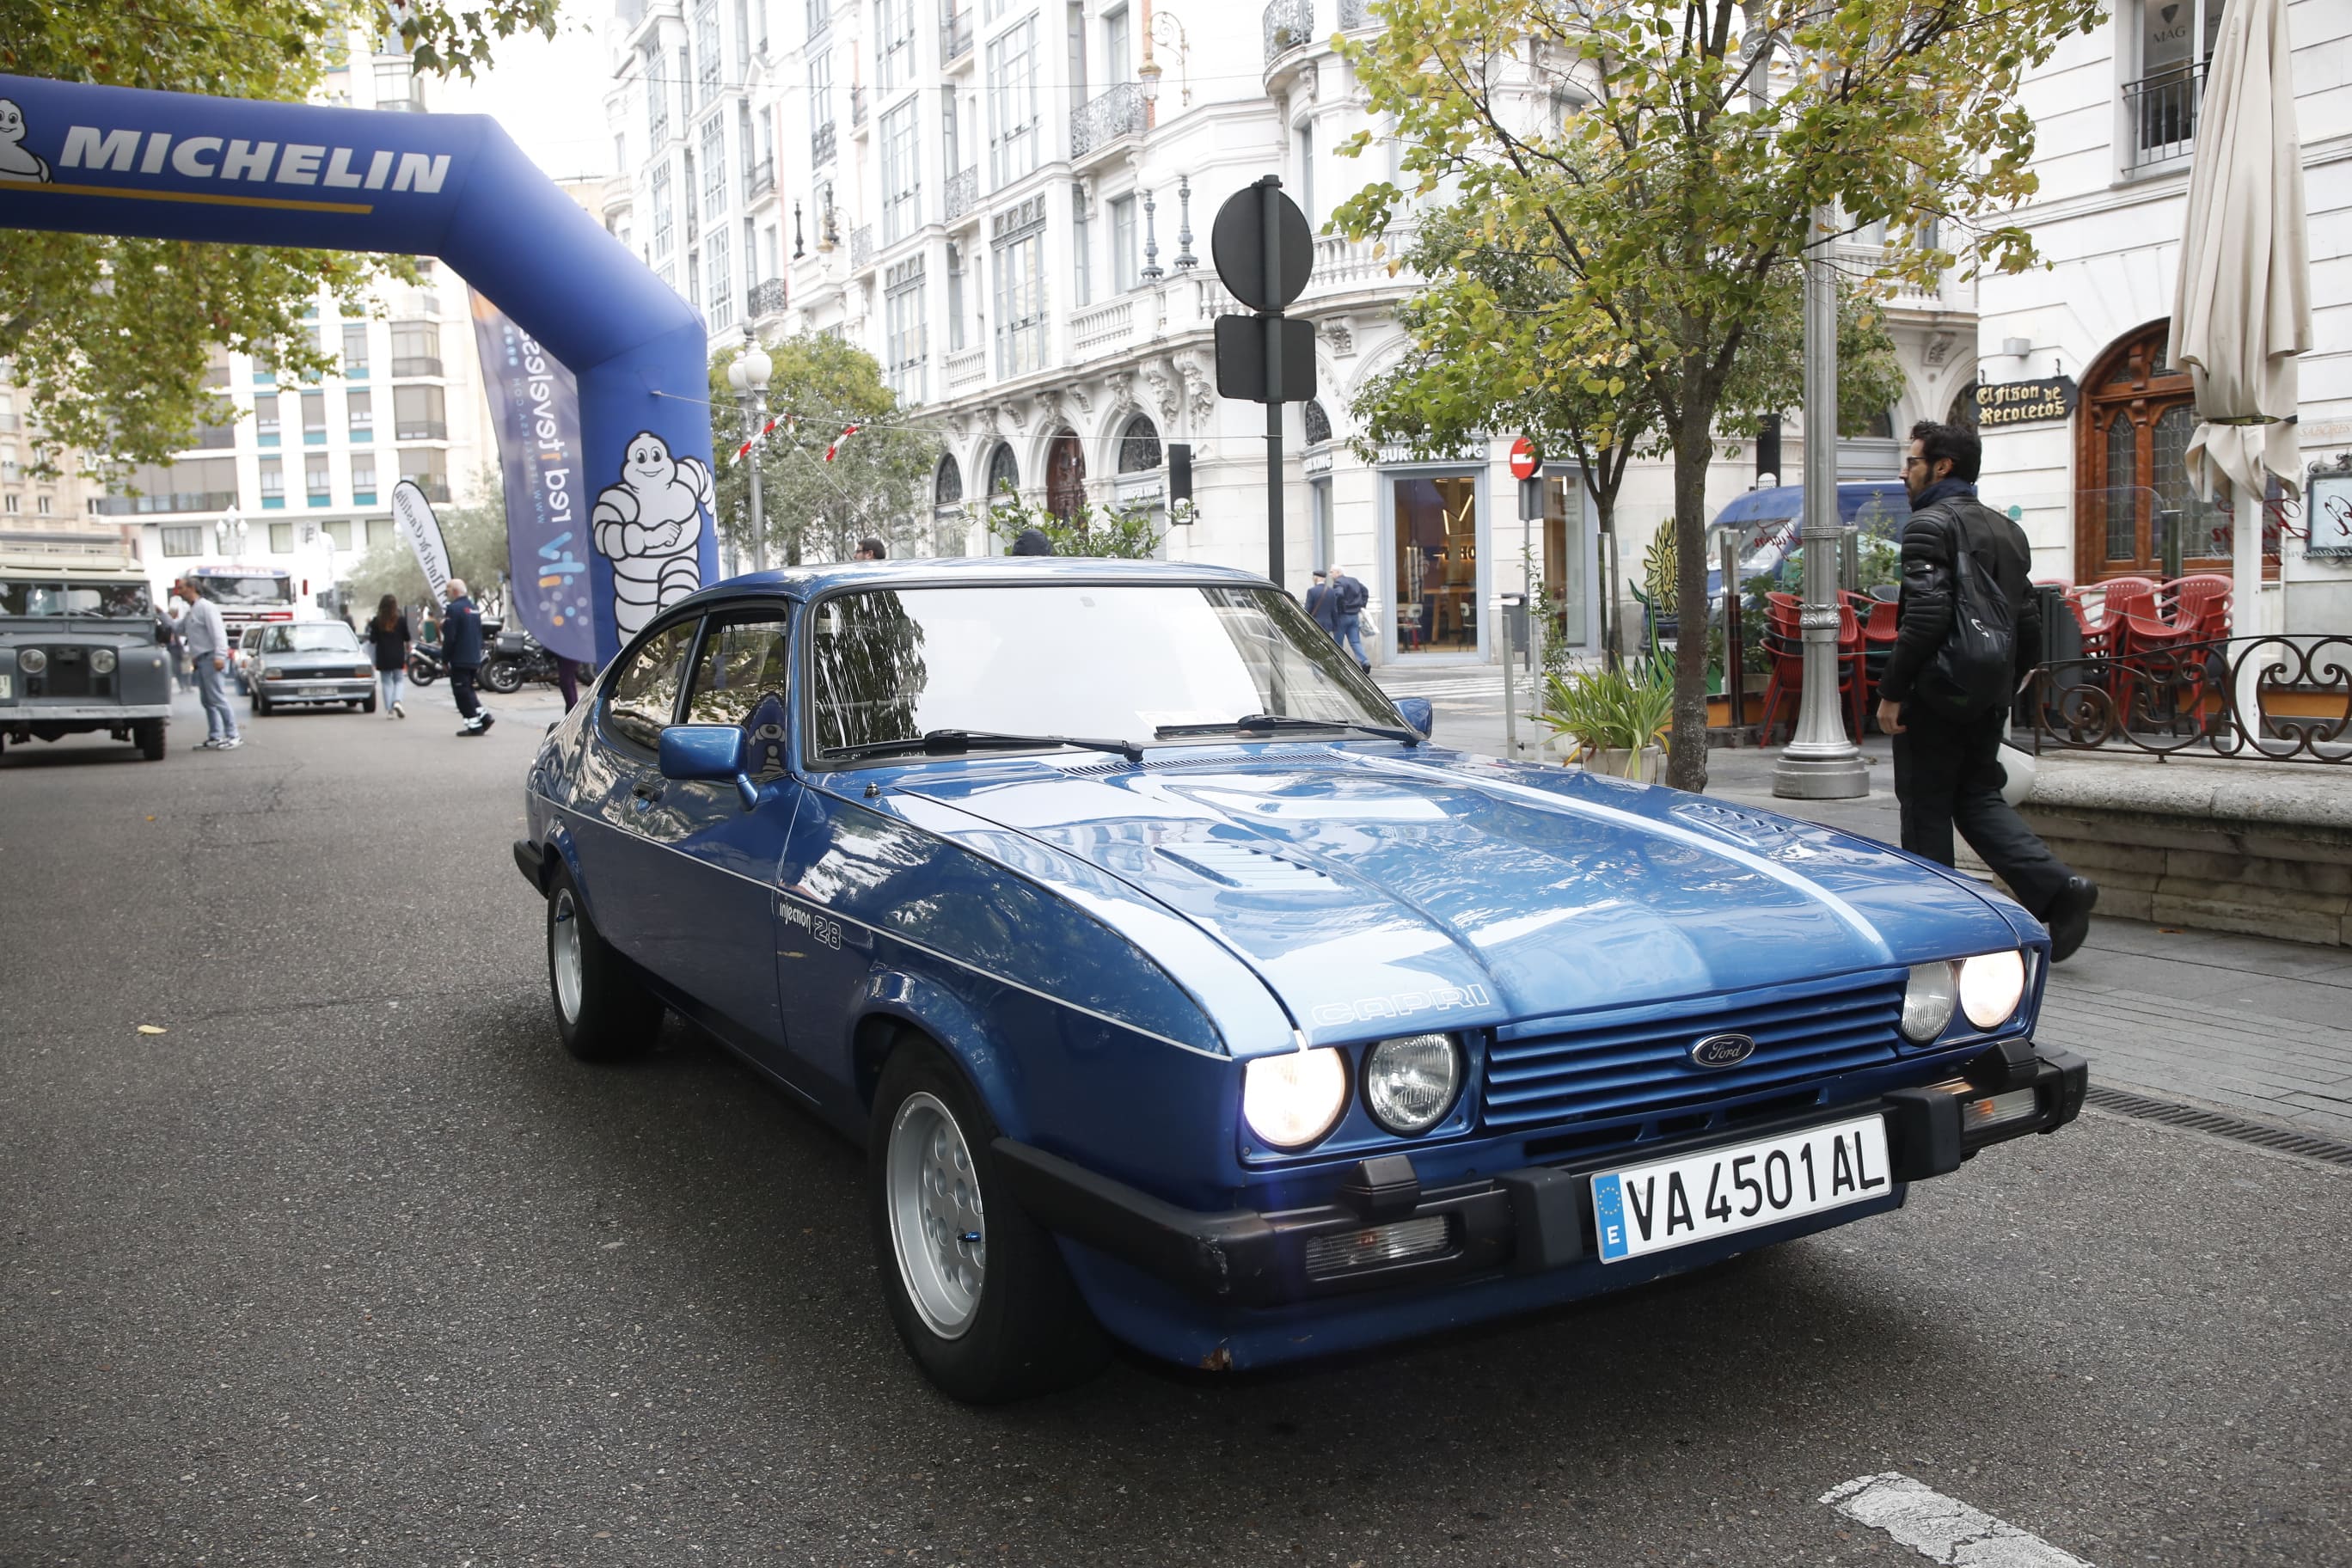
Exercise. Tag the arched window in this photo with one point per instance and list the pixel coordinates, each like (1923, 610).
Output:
(1318, 424)
(2137, 413)
(946, 485)
(1139, 445)
(1004, 473)
(1882, 425)
(1963, 411)
(1066, 477)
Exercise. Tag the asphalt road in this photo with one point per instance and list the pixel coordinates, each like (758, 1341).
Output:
(352, 1263)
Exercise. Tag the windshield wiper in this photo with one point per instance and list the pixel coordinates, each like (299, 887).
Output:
(951, 743)
(1272, 722)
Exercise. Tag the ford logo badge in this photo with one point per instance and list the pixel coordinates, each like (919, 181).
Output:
(1722, 1051)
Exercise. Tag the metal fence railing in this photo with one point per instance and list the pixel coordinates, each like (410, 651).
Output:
(2277, 699)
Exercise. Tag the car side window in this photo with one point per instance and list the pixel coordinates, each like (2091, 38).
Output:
(644, 693)
(742, 662)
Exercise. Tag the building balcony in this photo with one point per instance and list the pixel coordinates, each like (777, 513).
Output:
(758, 179)
(966, 368)
(418, 365)
(424, 430)
(2162, 112)
(166, 501)
(1344, 266)
(1289, 24)
(963, 192)
(765, 298)
(1102, 329)
(821, 145)
(955, 37)
(1106, 119)
(857, 107)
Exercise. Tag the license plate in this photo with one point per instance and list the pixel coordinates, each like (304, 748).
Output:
(1721, 1192)
(7, 687)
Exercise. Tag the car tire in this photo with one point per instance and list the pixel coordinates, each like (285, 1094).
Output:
(502, 677)
(988, 1322)
(602, 1011)
(366, 705)
(260, 706)
(149, 733)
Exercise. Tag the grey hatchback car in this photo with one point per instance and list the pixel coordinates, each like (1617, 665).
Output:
(308, 662)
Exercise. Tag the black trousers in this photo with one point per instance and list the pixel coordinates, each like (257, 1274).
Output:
(1947, 776)
(461, 687)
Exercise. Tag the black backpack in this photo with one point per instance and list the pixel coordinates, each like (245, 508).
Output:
(1975, 670)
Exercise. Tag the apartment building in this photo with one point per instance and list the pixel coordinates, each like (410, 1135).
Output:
(298, 475)
(2095, 461)
(1008, 202)
(39, 510)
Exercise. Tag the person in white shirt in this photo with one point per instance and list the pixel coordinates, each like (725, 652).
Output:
(207, 642)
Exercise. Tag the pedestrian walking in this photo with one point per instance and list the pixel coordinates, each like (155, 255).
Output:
(1345, 607)
(567, 681)
(387, 632)
(871, 549)
(206, 639)
(461, 647)
(1317, 596)
(1970, 631)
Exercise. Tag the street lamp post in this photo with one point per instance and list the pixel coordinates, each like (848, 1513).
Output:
(748, 376)
(230, 532)
(1820, 761)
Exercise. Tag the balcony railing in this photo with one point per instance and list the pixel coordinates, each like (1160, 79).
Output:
(1103, 326)
(765, 298)
(166, 501)
(1105, 118)
(2163, 114)
(856, 105)
(963, 192)
(1290, 24)
(955, 37)
(418, 364)
(422, 430)
(861, 246)
(1355, 14)
(963, 369)
(760, 179)
(821, 144)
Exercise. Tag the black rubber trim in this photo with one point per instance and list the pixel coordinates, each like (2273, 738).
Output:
(532, 861)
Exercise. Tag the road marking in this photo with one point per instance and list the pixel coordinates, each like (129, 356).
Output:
(1941, 1529)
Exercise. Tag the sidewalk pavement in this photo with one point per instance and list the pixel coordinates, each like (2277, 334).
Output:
(2242, 1024)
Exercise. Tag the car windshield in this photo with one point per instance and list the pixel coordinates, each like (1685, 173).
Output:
(244, 591)
(124, 601)
(310, 636)
(1115, 661)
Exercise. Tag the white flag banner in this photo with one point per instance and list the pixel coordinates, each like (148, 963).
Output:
(412, 515)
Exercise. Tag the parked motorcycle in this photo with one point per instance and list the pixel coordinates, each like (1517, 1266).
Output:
(425, 663)
(515, 658)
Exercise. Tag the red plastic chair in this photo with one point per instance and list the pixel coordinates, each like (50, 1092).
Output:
(2201, 604)
(1784, 644)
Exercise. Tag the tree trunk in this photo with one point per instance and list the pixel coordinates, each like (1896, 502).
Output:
(1694, 450)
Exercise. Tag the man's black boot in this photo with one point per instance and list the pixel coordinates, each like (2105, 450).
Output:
(2069, 917)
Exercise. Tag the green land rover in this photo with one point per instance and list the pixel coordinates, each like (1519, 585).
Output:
(79, 651)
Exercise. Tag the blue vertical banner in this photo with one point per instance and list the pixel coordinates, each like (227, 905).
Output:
(535, 403)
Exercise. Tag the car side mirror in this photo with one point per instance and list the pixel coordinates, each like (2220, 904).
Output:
(708, 752)
(1418, 713)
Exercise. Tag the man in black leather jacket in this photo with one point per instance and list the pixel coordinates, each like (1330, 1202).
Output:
(1948, 770)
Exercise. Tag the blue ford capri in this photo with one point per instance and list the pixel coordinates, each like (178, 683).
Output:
(1183, 990)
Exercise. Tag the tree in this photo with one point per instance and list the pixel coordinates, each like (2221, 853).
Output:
(112, 336)
(1652, 157)
(877, 482)
(476, 538)
(1101, 533)
(1478, 329)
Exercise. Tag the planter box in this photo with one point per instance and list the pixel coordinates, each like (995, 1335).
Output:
(1620, 764)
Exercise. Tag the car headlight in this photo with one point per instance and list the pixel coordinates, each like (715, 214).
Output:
(1928, 998)
(273, 675)
(361, 672)
(101, 662)
(1293, 1098)
(1991, 986)
(1410, 1082)
(32, 661)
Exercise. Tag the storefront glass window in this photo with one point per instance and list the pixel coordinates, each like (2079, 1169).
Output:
(1436, 565)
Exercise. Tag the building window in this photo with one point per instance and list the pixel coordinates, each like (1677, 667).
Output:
(955, 298)
(1307, 171)
(656, 100)
(419, 414)
(2132, 436)
(416, 348)
(1082, 265)
(314, 419)
(427, 467)
(179, 541)
(273, 483)
(718, 271)
(1123, 264)
(266, 418)
(1116, 50)
(820, 72)
(2176, 45)
(951, 134)
(1139, 445)
(1012, 129)
(363, 484)
(661, 207)
(380, 530)
(1003, 472)
(902, 195)
(1317, 423)
(317, 487)
(339, 531)
(894, 43)
(1021, 305)
(281, 539)
(361, 406)
(947, 483)
(41, 505)
(714, 167)
(909, 336)
(706, 45)
(355, 350)
(191, 484)
(820, 16)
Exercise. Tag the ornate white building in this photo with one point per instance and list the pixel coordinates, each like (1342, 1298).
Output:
(1009, 205)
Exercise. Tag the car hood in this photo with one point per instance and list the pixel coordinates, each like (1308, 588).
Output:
(1442, 888)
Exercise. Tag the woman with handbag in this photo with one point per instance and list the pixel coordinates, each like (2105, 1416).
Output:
(387, 631)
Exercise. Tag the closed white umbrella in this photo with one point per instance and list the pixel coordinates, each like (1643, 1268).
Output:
(2243, 311)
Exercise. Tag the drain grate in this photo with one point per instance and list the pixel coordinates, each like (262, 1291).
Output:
(2221, 1124)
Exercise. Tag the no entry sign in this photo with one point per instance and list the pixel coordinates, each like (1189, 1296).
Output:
(1525, 459)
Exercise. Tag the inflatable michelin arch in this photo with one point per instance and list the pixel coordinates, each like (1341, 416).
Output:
(108, 160)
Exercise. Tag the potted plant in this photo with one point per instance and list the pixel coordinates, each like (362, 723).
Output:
(1614, 719)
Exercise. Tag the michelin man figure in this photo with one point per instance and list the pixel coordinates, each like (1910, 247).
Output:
(650, 525)
(17, 161)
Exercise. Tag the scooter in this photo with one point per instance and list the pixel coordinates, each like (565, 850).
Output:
(425, 663)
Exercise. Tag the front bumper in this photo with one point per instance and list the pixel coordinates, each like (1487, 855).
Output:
(1527, 1220)
(81, 712)
(296, 689)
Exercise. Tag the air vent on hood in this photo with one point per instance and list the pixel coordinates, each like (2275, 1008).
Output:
(1244, 865)
(1748, 827)
(1224, 763)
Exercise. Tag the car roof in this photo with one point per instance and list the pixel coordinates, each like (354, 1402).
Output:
(1788, 501)
(971, 571)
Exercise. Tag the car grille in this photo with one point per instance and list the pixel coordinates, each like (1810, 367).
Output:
(68, 673)
(1636, 1063)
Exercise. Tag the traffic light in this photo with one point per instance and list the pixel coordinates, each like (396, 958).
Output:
(1179, 470)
